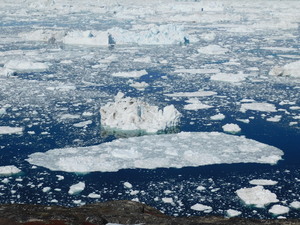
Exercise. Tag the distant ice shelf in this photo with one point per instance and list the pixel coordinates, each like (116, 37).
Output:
(158, 151)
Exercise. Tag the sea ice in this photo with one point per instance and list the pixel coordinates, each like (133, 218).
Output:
(10, 130)
(218, 116)
(262, 182)
(295, 205)
(233, 213)
(213, 50)
(127, 185)
(195, 104)
(133, 114)
(9, 170)
(76, 188)
(291, 69)
(279, 209)
(257, 196)
(131, 74)
(234, 78)
(158, 151)
(258, 106)
(94, 195)
(168, 200)
(26, 66)
(231, 128)
(199, 93)
(201, 207)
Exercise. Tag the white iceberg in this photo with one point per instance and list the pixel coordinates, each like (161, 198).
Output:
(231, 128)
(133, 114)
(26, 66)
(201, 207)
(258, 106)
(279, 209)
(76, 188)
(291, 69)
(9, 170)
(295, 205)
(257, 196)
(158, 151)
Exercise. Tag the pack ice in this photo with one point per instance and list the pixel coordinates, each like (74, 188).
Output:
(291, 69)
(133, 114)
(158, 151)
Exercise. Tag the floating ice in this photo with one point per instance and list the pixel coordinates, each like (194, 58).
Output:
(295, 205)
(257, 196)
(133, 114)
(76, 188)
(195, 104)
(262, 182)
(201, 207)
(168, 200)
(94, 195)
(197, 71)
(26, 66)
(258, 106)
(158, 151)
(127, 185)
(279, 209)
(291, 69)
(10, 130)
(9, 170)
(132, 74)
(233, 213)
(139, 85)
(231, 128)
(213, 50)
(234, 78)
(92, 38)
(218, 116)
(199, 93)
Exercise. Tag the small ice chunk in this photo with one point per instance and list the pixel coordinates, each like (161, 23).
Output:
(276, 118)
(257, 196)
(233, 78)
(132, 74)
(258, 106)
(201, 188)
(46, 189)
(9, 170)
(127, 185)
(231, 128)
(199, 93)
(262, 182)
(83, 124)
(233, 213)
(168, 200)
(218, 116)
(139, 85)
(213, 50)
(94, 195)
(133, 114)
(76, 188)
(279, 209)
(201, 207)
(10, 130)
(295, 205)
(60, 177)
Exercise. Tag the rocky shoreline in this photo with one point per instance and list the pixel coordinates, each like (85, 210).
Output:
(113, 212)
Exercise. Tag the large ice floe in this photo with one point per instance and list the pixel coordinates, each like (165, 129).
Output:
(158, 151)
(127, 113)
(150, 34)
(26, 66)
(291, 69)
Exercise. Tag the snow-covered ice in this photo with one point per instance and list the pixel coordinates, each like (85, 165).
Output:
(133, 114)
(231, 128)
(201, 207)
(262, 182)
(154, 151)
(9, 170)
(279, 209)
(257, 196)
(10, 130)
(76, 188)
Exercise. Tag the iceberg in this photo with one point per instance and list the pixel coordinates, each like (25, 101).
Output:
(158, 151)
(291, 69)
(133, 114)
(9, 170)
(257, 196)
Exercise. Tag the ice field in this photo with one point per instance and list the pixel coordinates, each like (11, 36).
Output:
(192, 107)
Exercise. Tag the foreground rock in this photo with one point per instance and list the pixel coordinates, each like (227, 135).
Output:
(117, 212)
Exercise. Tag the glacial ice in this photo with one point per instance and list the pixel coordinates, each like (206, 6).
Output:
(158, 151)
(133, 114)
(279, 209)
(290, 69)
(76, 188)
(257, 196)
(8, 170)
